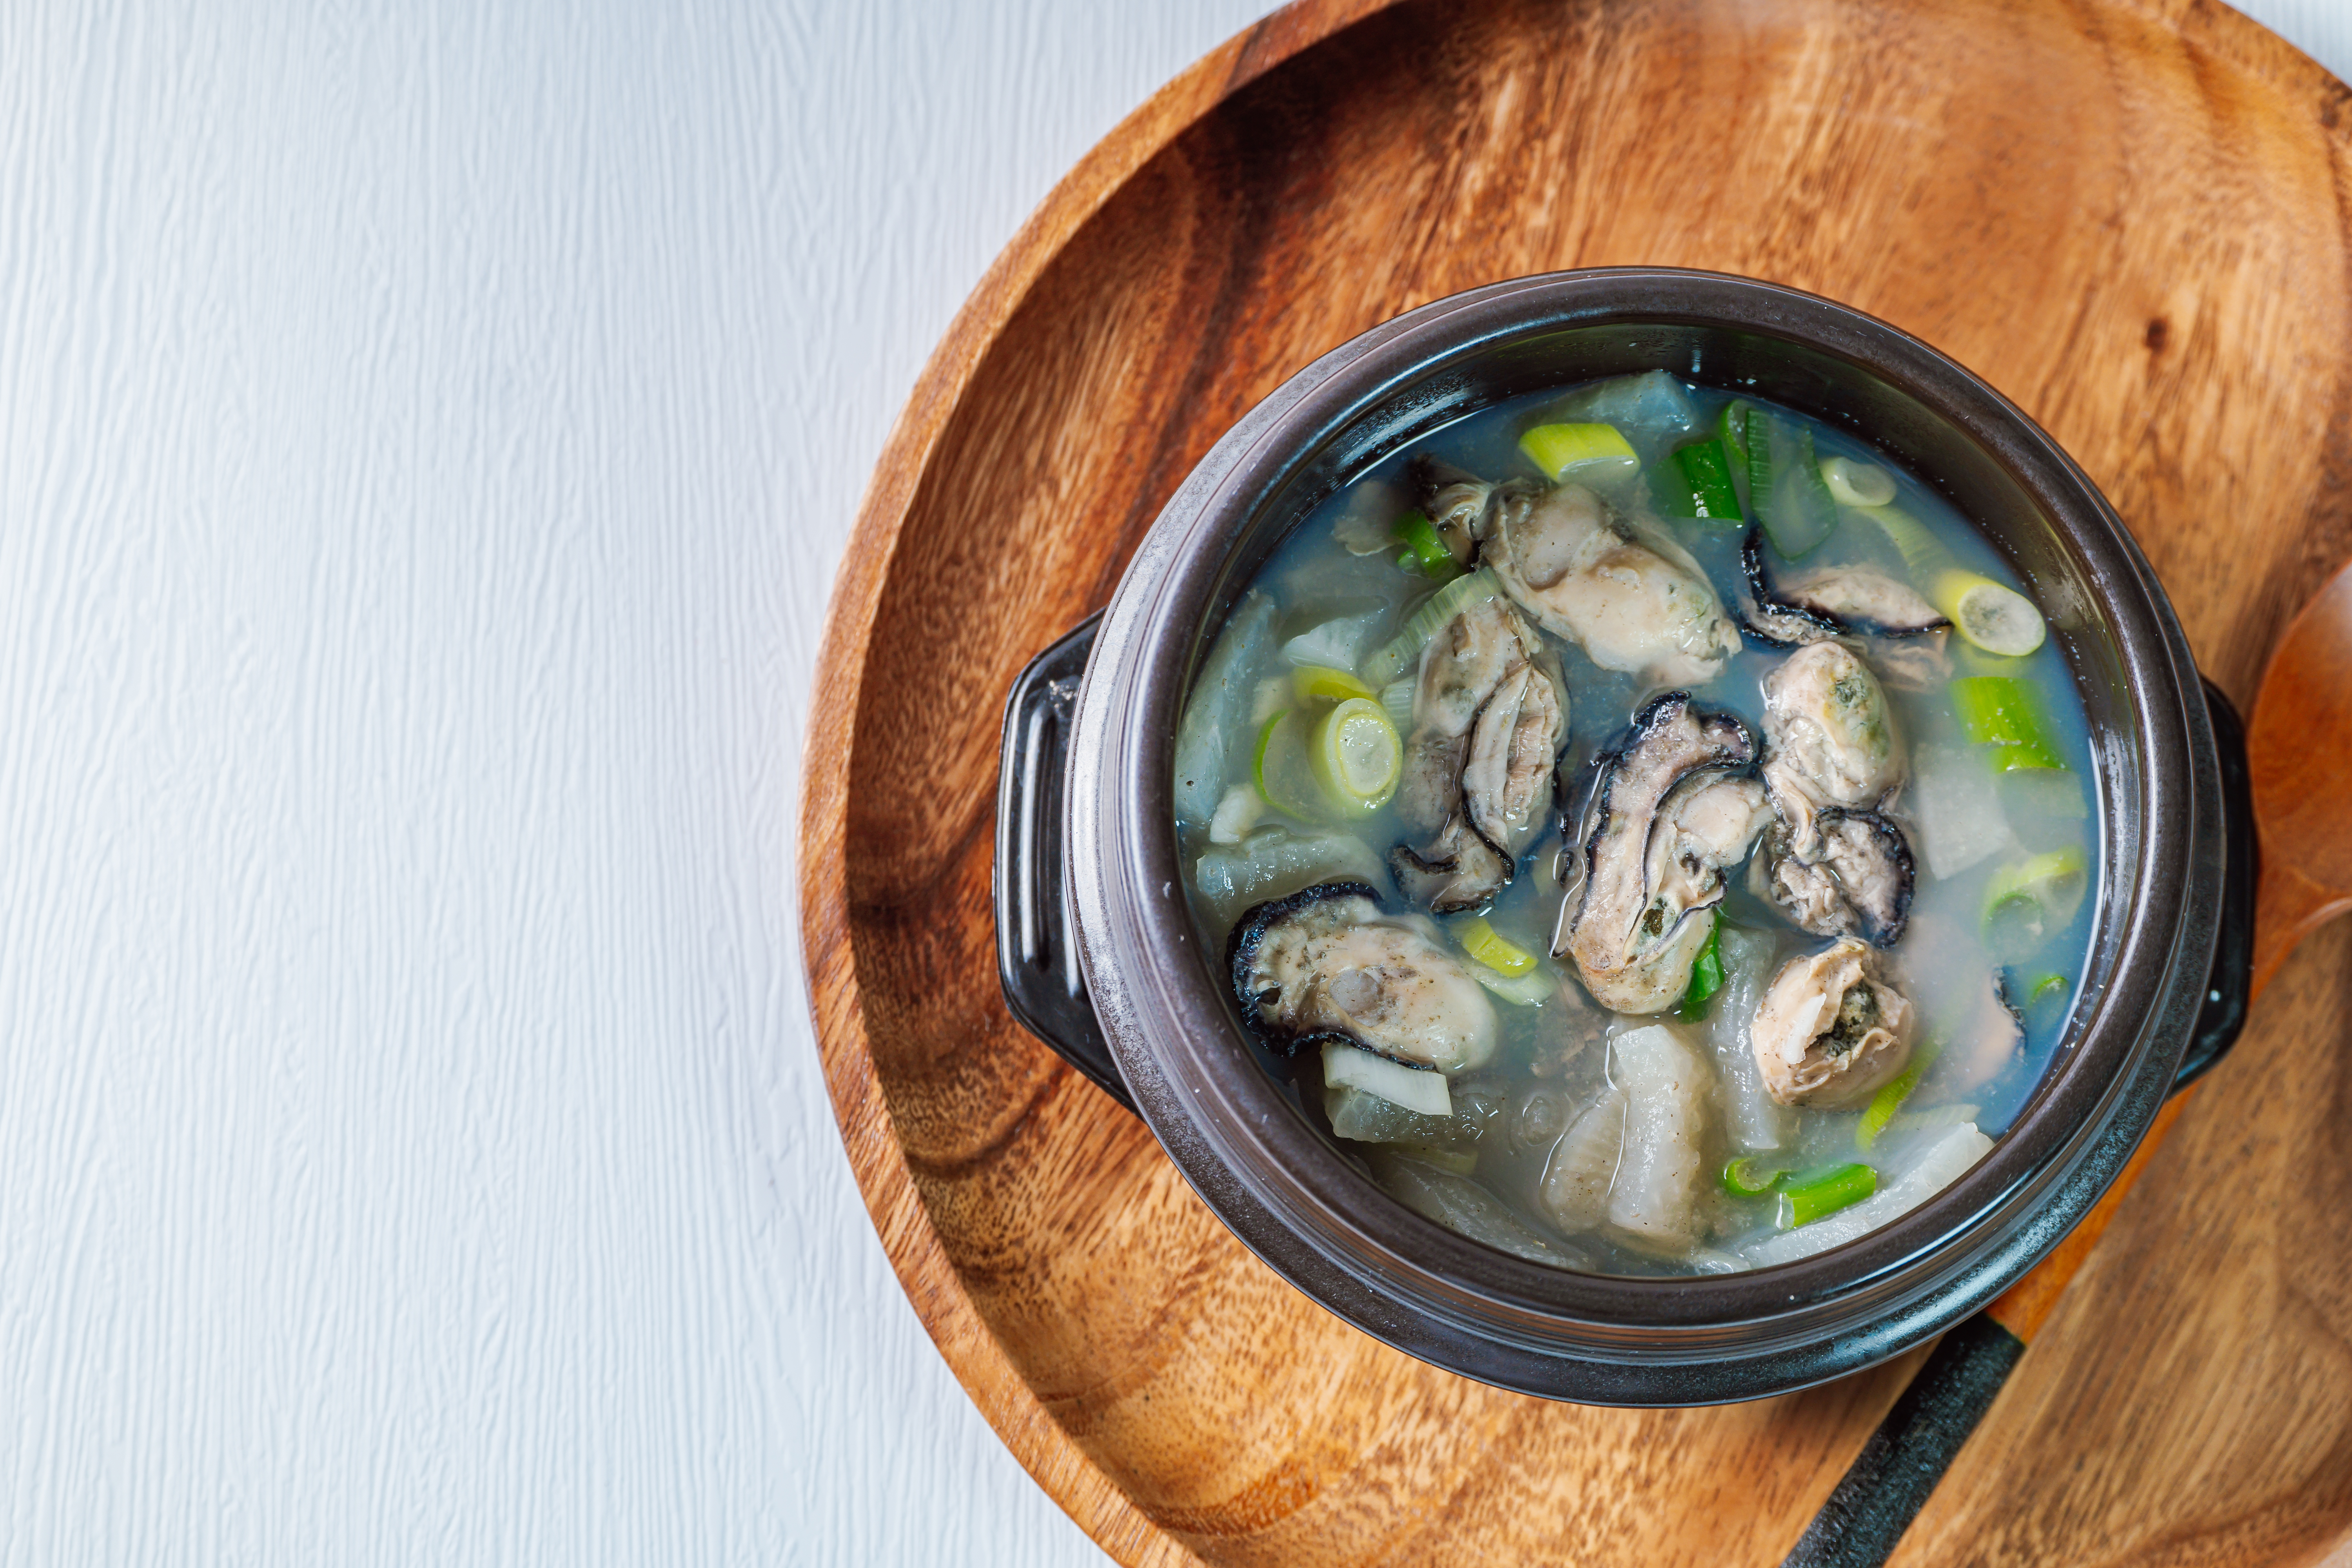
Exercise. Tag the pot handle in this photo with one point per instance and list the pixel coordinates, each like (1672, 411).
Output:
(2229, 984)
(1037, 945)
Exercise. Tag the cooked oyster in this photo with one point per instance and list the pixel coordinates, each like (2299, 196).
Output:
(1832, 600)
(1488, 721)
(1329, 964)
(1667, 820)
(1456, 504)
(1828, 740)
(1829, 1031)
(1855, 880)
(1632, 598)
(1915, 664)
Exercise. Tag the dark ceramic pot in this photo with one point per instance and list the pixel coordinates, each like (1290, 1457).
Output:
(1100, 957)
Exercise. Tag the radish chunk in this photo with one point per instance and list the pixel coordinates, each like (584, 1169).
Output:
(1754, 1120)
(1660, 1170)
(1584, 1163)
(1464, 1208)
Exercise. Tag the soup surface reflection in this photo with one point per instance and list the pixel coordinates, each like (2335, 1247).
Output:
(1651, 831)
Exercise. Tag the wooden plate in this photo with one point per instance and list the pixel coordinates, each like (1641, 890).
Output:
(2128, 216)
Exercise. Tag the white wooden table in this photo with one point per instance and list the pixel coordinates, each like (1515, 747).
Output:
(430, 430)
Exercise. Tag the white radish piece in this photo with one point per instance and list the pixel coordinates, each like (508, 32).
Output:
(1583, 1163)
(1464, 1208)
(1958, 811)
(1655, 1196)
(1275, 861)
(1216, 722)
(1754, 1120)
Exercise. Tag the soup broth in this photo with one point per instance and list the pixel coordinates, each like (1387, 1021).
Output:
(1651, 830)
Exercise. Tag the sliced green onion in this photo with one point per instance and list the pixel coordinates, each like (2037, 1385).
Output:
(2030, 899)
(1321, 683)
(1750, 1176)
(2048, 985)
(1356, 758)
(1922, 552)
(2004, 712)
(1403, 651)
(1587, 452)
(1280, 768)
(1706, 972)
(1890, 1098)
(1732, 429)
(1496, 950)
(1817, 1194)
(1997, 619)
(1396, 700)
(1857, 484)
(1418, 537)
(1784, 484)
(1532, 989)
(1705, 489)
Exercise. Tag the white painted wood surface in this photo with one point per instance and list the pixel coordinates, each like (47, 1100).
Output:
(430, 430)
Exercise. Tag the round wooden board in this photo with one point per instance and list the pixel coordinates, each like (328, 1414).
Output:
(2128, 216)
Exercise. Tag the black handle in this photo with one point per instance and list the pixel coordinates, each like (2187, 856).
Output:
(1036, 946)
(2228, 986)
(1890, 1480)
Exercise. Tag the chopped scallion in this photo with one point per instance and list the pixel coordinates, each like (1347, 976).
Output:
(1430, 556)
(1733, 430)
(1706, 972)
(1583, 452)
(1816, 1194)
(1995, 618)
(1496, 950)
(1703, 485)
(1750, 1176)
(2031, 899)
(1784, 484)
(1403, 652)
(1355, 756)
(2004, 712)
(1321, 683)
(1857, 484)
(1890, 1098)
(1280, 769)
(1532, 989)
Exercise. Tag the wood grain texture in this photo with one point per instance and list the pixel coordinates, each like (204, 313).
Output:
(2127, 217)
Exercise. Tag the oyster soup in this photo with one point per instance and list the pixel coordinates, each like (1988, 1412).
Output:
(1652, 832)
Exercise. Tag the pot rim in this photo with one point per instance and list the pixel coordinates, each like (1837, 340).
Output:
(1295, 1200)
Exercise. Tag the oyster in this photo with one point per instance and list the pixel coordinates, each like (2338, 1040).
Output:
(1828, 739)
(1329, 964)
(1832, 600)
(1671, 811)
(1834, 864)
(1829, 1031)
(1856, 880)
(1456, 504)
(1632, 598)
(1488, 721)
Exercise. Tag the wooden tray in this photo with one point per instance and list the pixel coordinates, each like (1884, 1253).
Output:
(2129, 216)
